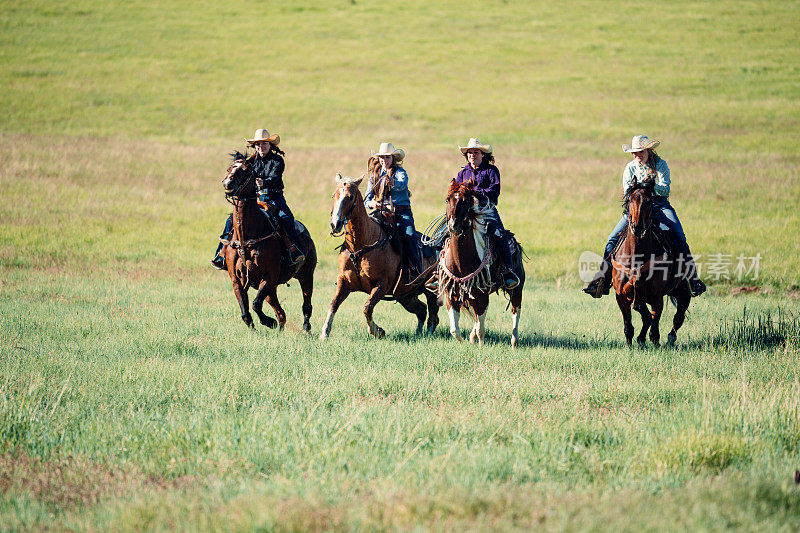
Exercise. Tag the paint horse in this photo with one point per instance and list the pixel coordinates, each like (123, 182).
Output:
(467, 271)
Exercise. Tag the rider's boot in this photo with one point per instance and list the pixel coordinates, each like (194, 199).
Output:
(601, 283)
(218, 261)
(506, 249)
(432, 284)
(414, 261)
(696, 285)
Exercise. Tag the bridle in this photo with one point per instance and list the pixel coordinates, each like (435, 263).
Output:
(345, 217)
(233, 198)
(455, 209)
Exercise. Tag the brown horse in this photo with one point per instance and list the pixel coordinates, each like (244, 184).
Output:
(467, 271)
(256, 255)
(368, 263)
(642, 273)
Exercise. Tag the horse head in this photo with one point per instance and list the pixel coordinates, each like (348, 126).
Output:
(239, 180)
(345, 198)
(459, 202)
(638, 203)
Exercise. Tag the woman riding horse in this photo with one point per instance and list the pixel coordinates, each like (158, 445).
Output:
(486, 179)
(267, 165)
(399, 201)
(647, 167)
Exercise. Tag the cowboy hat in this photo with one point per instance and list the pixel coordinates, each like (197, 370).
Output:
(389, 149)
(476, 143)
(263, 135)
(639, 143)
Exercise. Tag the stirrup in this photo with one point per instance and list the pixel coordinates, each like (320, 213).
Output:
(218, 262)
(432, 284)
(510, 280)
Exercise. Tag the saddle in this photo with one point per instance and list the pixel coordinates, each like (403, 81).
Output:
(274, 225)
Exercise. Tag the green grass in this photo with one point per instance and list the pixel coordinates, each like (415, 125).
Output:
(132, 396)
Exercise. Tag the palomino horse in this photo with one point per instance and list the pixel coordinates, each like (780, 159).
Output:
(367, 263)
(254, 253)
(643, 274)
(467, 271)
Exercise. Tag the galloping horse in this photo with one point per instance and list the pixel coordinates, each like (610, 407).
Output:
(641, 277)
(368, 263)
(256, 256)
(467, 271)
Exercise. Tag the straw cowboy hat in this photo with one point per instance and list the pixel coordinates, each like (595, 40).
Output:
(263, 135)
(476, 143)
(389, 149)
(639, 143)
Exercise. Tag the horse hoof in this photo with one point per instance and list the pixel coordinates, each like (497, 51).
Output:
(323, 336)
(671, 340)
(514, 342)
(271, 323)
(380, 333)
(642, 344)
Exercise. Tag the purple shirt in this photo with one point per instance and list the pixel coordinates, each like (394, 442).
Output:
(486, 178)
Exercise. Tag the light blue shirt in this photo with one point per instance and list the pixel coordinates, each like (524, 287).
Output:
(399, 192)
(635, 170)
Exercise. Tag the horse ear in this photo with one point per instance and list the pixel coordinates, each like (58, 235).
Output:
(338, 178)
(359, 180)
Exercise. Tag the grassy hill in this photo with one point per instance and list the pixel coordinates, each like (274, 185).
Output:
(132, 397)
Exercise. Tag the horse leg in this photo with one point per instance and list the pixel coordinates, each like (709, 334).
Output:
(342, 292)
(454, 314)
(307, 287)
(375, 296)
(516, 307)
(433, 312)
(414, 306)
(258, 303)
(241, 297)
(306, 278)
(625, 308)
(657, 306)
(641, 339)
(683, 296)
(478, 329)
(515, 325)
(272, 300)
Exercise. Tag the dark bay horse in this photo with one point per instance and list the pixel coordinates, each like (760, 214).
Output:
(642, 273)
(368, 263)
(467, 271)
(256, 255)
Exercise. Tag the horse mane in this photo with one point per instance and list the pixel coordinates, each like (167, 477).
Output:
(647, 186)
(467, 187)
(238, 156)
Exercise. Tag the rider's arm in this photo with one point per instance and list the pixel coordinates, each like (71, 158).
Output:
(662, 179)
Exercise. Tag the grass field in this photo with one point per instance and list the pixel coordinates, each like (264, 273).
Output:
(132, 397)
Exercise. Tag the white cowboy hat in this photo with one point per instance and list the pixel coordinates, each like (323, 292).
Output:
(263, 135)
(389, 149)
(476, 143)
(639, 143)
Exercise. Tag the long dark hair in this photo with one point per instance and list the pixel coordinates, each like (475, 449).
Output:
(488, 158)
(652, 163)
